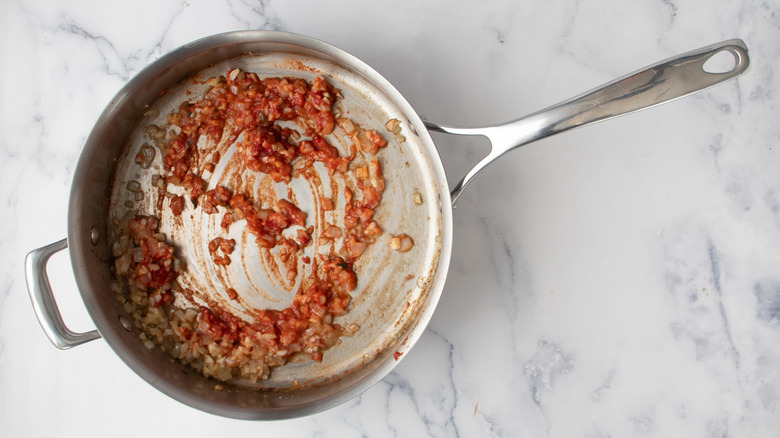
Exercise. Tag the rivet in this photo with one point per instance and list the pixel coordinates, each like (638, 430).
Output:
(94, 235)
(126, 323)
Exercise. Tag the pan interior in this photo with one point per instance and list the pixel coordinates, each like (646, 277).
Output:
(393, 287)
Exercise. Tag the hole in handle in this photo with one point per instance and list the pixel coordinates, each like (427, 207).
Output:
(724, 61)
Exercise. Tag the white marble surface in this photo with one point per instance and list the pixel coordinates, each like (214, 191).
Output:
(619, 280)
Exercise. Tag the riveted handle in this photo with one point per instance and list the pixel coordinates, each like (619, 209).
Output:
(653, 85)
(43, 301)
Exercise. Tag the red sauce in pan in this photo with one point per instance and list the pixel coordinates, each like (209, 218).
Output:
(239, 103)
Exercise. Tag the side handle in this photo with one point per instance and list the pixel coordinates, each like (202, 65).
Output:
(43, 300)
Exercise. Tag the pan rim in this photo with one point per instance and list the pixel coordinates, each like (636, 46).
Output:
(83, 252)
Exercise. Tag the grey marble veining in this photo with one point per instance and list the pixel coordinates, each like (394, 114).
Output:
(619, 280)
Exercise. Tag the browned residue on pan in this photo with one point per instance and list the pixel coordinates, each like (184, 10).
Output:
(383, 305)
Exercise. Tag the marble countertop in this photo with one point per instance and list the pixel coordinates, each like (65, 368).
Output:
(617, 280)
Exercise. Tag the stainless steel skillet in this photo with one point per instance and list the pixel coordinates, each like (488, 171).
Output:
(397, 293)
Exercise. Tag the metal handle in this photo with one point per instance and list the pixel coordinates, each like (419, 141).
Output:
(653, 85)
(43, 300)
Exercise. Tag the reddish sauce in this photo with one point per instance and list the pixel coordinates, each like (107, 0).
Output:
(298, 328)
(243, 103)
(152, 264)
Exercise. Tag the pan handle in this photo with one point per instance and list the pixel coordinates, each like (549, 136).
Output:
(653, 85)
(43, 300)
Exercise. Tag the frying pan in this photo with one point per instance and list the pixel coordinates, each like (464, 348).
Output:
(397, 292)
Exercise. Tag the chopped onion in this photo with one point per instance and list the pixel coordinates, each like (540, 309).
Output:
(145, 156)
(134, 186)
(394, 126)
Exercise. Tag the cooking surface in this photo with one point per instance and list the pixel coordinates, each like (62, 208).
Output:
(393, 286)
(618, 280)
